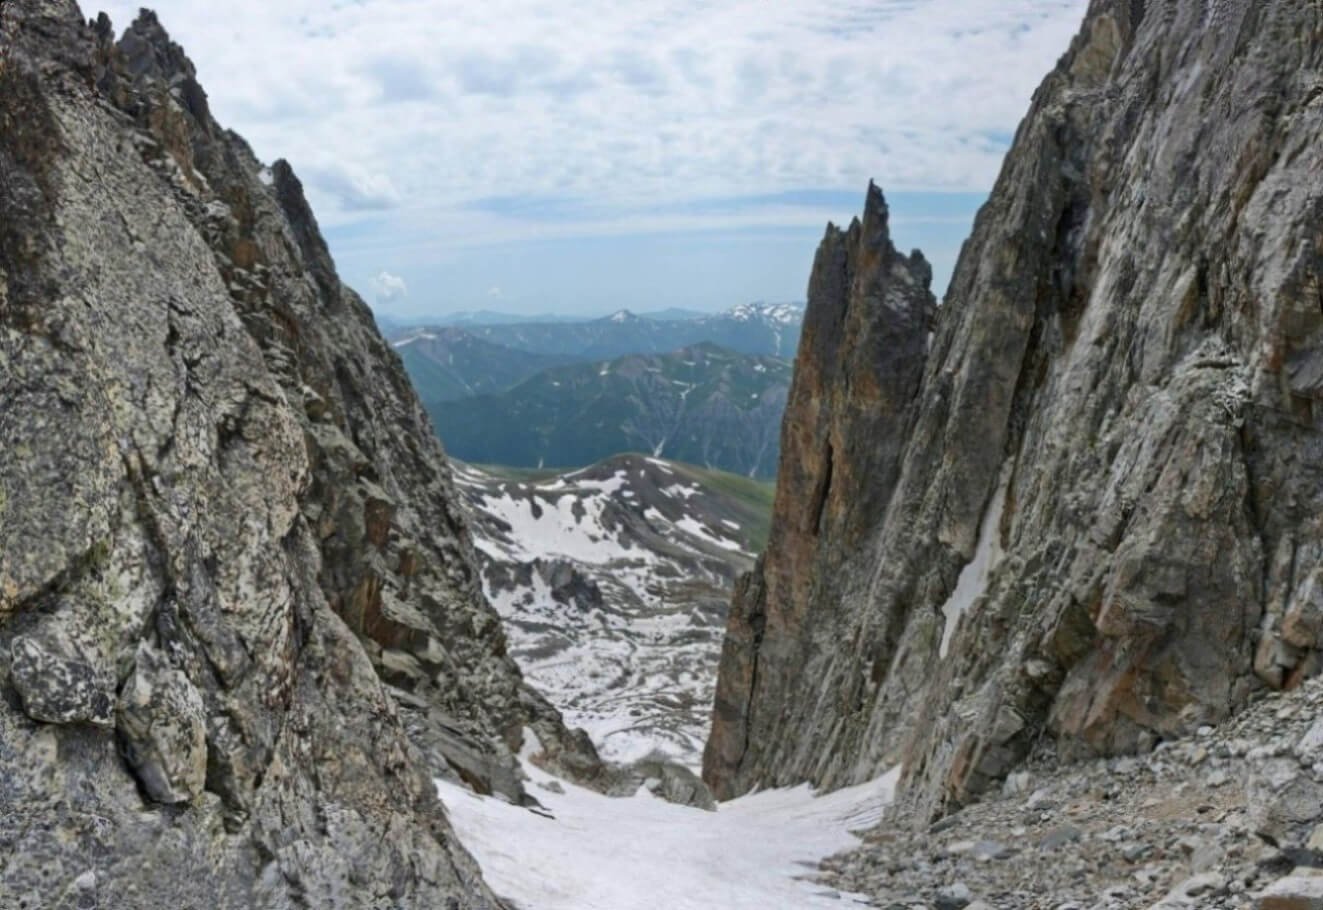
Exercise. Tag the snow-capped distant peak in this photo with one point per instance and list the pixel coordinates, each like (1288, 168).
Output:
(417, 336)
(779, 313)
(622, 316)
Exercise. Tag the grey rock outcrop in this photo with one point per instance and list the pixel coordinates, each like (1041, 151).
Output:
(859, 366)
(1117, 428)
(162, 725)
(240, 624)
(665, 780)
(58, 687)
(1281, 798)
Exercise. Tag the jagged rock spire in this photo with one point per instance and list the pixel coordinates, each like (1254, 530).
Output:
(860, 361)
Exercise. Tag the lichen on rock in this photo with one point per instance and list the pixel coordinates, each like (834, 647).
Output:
(57, 686)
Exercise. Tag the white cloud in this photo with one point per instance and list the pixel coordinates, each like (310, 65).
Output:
(389, 288)
(351, 189)
(494, 292)
(647, 99)
(404, 115)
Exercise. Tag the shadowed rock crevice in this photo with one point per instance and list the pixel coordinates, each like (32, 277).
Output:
(819, 507)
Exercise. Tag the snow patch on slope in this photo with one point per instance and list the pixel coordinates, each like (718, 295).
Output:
(641, 853)
(697, 529)
(973, 581)
(421, 336)
(571, 529)
(613, 582)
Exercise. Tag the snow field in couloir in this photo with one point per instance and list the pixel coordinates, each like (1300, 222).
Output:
(642, 853)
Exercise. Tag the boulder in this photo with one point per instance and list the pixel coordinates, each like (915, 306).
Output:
(1295, 892)
(669, 781)
(57, 686)
(1282, 800)
(162, 729)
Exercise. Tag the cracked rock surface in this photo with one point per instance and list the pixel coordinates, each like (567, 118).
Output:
(240, 624)
(1116, 424)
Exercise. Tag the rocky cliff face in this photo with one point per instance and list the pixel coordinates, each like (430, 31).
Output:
(240, 626)
(859, 366)
(1112, 485)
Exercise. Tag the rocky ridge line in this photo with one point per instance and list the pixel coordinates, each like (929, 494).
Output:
(240, 623)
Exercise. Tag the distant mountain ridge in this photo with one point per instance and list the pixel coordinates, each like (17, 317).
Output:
(702, 404)
(753, 328)
(487, 317)
(619, 571)
(391, 323)
(447, 364)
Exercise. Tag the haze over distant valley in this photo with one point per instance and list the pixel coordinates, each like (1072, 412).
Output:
(566, 393)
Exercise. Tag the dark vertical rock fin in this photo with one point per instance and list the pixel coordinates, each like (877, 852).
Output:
(860, 359)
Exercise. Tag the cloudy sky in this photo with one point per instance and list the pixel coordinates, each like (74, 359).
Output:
(539, 156)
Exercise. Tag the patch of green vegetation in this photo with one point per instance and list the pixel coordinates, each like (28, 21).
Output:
(702, 403)
(752, 497)
(432, 382)
(520, 475)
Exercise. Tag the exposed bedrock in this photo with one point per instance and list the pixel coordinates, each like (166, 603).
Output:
(240, 623)
(859, 366)
(1125, 387)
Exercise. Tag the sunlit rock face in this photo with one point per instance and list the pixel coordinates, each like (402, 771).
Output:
(240, 624)
(1131, 357)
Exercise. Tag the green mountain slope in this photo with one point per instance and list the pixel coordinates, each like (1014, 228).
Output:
(704, 405)
(755, 328)
(450, 363)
